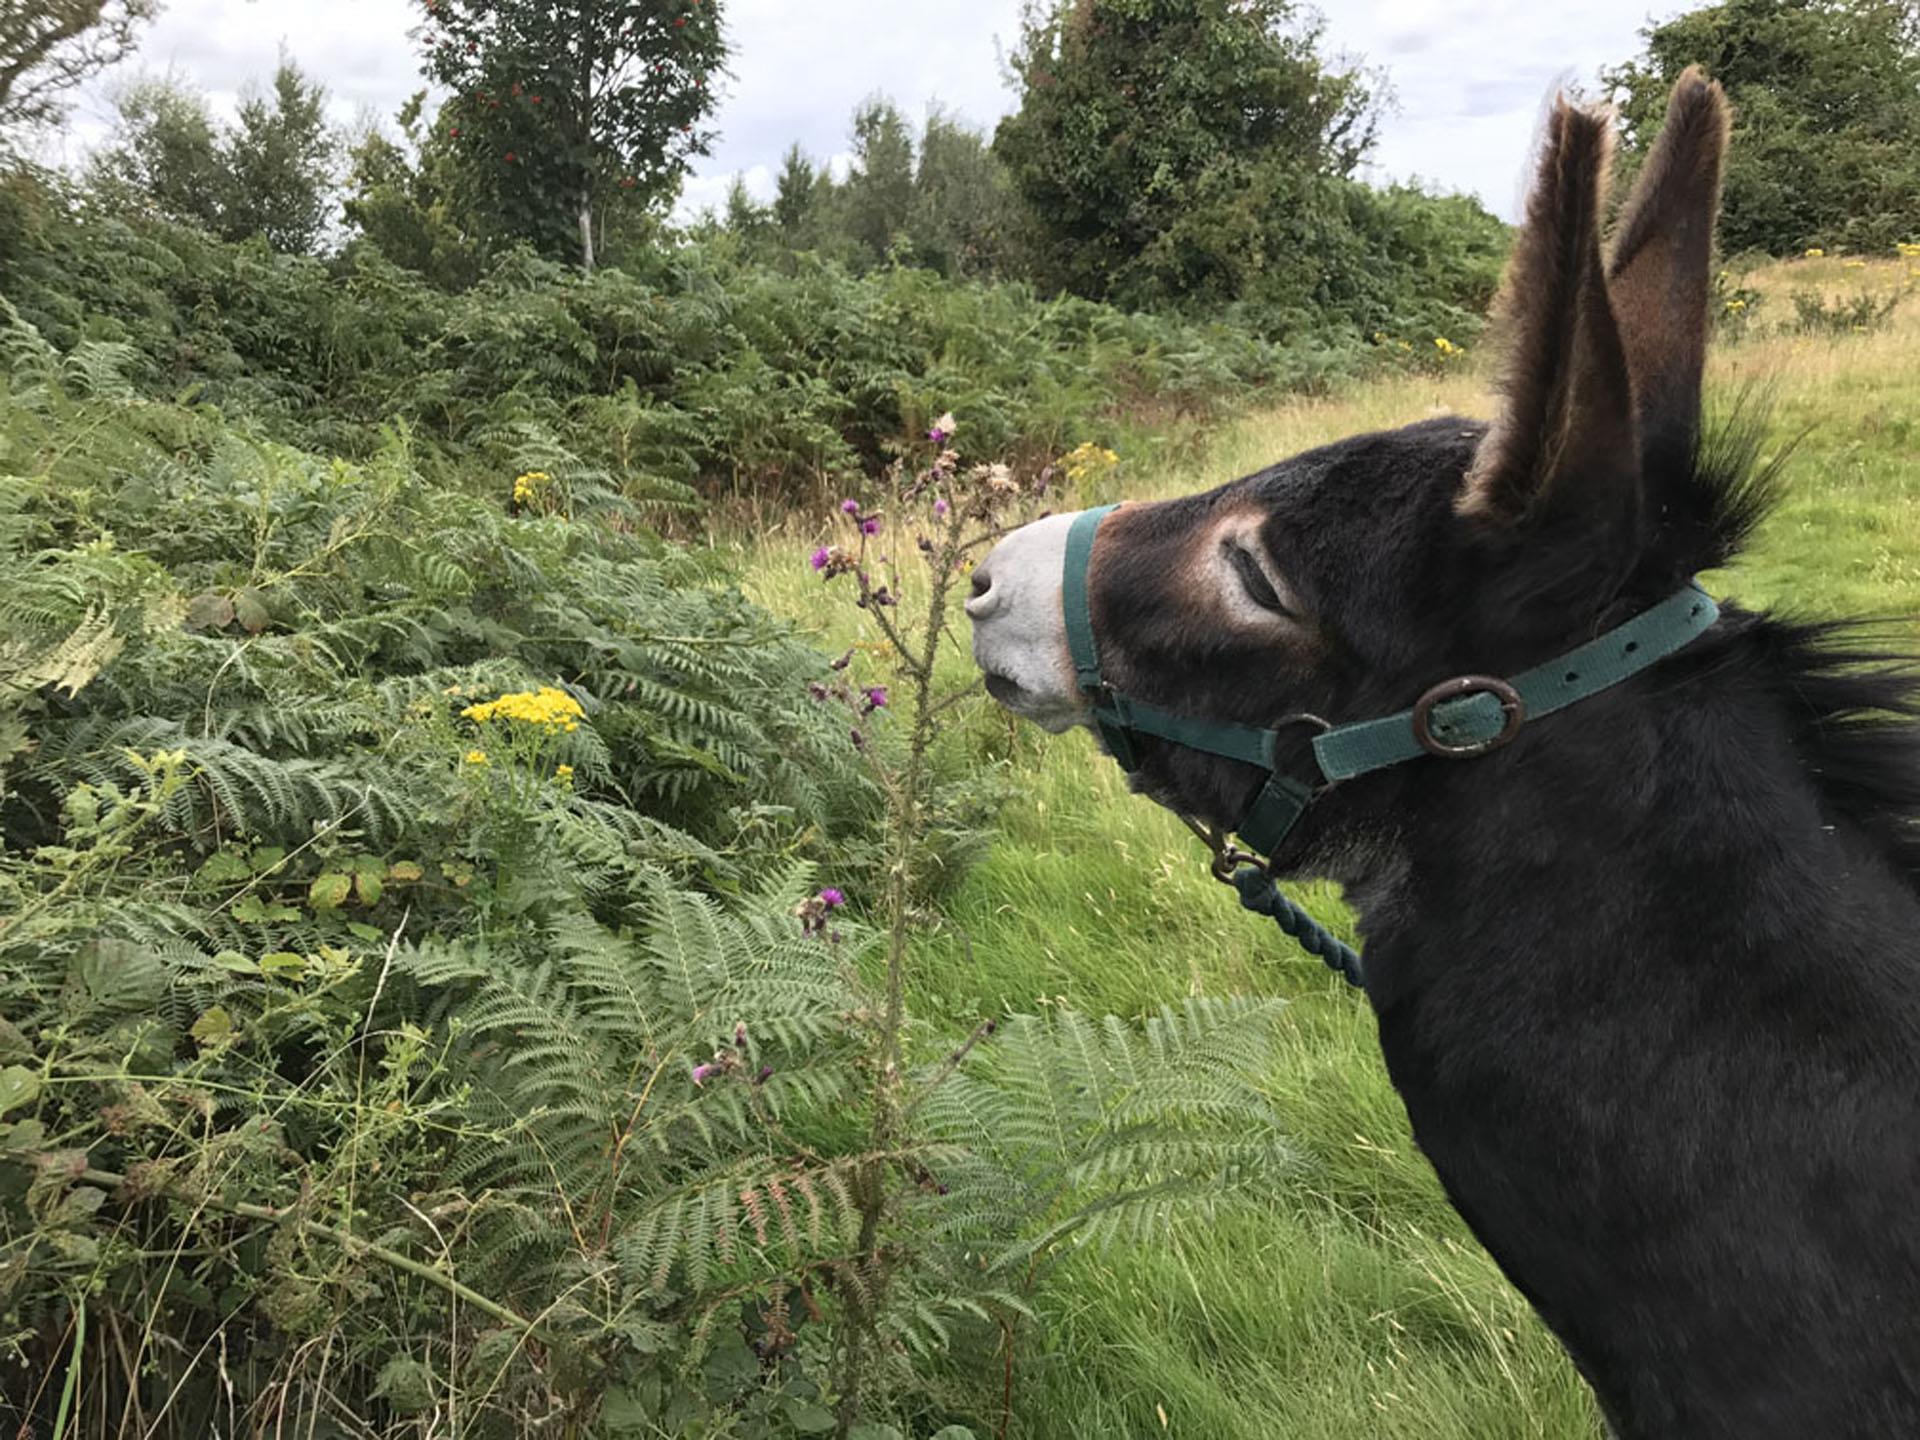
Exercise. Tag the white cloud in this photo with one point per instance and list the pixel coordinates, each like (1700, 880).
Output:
(1469, 79)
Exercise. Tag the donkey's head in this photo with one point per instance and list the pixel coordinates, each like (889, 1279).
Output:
(1344, 582)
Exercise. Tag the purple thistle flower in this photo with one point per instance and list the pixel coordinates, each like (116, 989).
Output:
(870, 526)
(819, 558)
(849, 507)
(766, 1073)
(940, 507)
(876, 697)
(832, 897)
(702, 1072)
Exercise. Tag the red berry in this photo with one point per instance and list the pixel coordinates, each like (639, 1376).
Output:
(681, 21)
(536, 99)
(509, 157)
(453, 130)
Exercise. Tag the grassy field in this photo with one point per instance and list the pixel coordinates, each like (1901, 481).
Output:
(1352, 1303)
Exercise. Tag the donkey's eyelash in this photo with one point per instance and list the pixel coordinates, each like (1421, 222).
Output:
(1254, 580)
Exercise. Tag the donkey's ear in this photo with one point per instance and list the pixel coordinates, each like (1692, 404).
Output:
(1562, 454)
(1658, 273)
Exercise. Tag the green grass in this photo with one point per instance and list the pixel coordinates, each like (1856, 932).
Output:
(1352, 1303)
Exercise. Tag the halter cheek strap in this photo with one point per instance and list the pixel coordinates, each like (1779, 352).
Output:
(1458, 719)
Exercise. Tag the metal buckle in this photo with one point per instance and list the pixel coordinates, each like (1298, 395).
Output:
(1226, 858)
(1511, 705)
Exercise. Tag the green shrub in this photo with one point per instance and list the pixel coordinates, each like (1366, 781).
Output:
(696, 368)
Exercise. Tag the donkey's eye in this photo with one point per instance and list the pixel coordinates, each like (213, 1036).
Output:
(1253, 579)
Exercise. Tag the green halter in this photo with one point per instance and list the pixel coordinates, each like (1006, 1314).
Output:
(1457, 719)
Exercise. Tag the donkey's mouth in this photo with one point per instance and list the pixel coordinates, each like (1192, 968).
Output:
(1046, 711)
(1006, 690)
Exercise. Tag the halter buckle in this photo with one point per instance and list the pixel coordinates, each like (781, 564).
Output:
(1512, 708)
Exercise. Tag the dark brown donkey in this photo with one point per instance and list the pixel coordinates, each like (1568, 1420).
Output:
(1647, 977)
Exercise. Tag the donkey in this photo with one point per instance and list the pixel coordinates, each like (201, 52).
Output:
(1646, 970)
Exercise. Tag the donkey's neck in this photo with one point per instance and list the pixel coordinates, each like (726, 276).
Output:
(1679, 824)
(1651, 995)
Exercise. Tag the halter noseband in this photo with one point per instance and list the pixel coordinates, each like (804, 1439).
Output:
(1458, 719)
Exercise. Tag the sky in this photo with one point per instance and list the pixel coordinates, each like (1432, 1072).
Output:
(1469, 81)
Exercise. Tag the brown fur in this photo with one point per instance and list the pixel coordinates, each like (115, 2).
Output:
(1658, 273)
(1567, 420)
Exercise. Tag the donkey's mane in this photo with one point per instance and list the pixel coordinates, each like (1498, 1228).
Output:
(1850, 687)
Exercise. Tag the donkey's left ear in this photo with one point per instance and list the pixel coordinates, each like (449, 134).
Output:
(1559, 470)
(1658, 271)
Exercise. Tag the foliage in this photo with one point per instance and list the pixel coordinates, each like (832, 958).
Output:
(692, 366)
(562, 110)
(280, 162)
(48, 47)
(878, 193)
(403, 199)
(415, 995)
(1157, 141)
(270, 176)
(1816, 313)
(941, 202)
(1826, 104)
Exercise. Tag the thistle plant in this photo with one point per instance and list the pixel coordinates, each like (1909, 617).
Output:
(951, 511)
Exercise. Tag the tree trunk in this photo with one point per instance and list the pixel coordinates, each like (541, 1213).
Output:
(586, 234)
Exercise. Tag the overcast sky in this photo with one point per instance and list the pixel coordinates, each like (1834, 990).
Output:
(1468, 80)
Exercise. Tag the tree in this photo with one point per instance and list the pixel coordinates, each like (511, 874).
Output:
(796, 200)
(562, 107)
(280, 165)
(271, 175)
(47, 47)
(963, 216)
(165, 156)
(878, 193)
(1157, 141)
(403, 196)
(1826, 106)
(745, 216)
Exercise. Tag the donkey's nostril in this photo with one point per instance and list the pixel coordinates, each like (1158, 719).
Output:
(985, 599)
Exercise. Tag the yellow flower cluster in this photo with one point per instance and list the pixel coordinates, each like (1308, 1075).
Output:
(1908, 250)
(527, 487)
(1815, 253)
(1087, 461)
(1736, 305)
(476, 757)
(546, 707)
(1447, 348)
(563, 774)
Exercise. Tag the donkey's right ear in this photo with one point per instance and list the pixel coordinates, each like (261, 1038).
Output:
(1658, 273)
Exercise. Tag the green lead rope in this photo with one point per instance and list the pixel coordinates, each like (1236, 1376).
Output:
(1260, 895)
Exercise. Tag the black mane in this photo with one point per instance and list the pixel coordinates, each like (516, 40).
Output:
(1852, 687)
